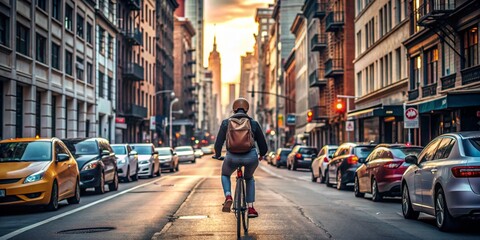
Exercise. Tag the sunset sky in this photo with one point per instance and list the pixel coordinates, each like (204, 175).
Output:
(233, 22)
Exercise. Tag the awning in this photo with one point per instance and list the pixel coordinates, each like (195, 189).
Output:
(311, 126)
(451, 100)
(378, 110)
(300, 130)
(121, 125)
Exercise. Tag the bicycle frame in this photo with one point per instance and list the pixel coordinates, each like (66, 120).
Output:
(240, 204)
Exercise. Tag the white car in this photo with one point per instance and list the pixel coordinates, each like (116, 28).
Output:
(148, 161)
(198, 153)
(207, 150)
(185, 154)
(319, 165)
(127, 162)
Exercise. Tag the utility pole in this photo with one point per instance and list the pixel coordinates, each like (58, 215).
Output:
(348, 109)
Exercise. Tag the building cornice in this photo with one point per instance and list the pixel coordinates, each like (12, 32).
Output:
(290, 59)
(383, 91)
(297, 23)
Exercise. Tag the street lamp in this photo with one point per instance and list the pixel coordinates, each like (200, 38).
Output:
(170, 125)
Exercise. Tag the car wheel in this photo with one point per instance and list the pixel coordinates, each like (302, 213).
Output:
(356, 188)
(113, 186)
(277, 165)
(53, 204)
(76, 198)
(135, 176)
(327, 179)
(445, 222)
(339, 180)
(320, 175)
(407, 209)
(376, 195)
(128, 178)
(194, 161)
(314, 179)
(101, 188)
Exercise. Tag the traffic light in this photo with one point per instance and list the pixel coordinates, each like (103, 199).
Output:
(340, 106)
(280, 120)
(309, 116)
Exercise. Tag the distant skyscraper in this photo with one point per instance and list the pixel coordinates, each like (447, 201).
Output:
(245, 69)
(215, 65)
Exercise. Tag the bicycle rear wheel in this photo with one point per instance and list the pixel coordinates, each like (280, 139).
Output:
(245, 218)
(238, 207)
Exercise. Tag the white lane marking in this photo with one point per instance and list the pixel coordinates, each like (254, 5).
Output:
(22, 230)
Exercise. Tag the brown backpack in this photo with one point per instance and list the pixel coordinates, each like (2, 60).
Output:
(239, 135)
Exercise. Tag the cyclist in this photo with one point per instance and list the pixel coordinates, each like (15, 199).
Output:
(249, 159)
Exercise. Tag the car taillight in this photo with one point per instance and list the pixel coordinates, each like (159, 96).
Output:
(392, 165)
(298, 156)
(466, 172)
(325, 159)
(352, 160)
(278, 157)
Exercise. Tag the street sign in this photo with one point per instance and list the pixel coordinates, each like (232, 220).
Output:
(349, 126)
(152, 123)
(291, 119)
(411, 118)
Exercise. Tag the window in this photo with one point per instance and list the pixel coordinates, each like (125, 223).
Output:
(359, 42)
(19, 112)
(429, 151)
(4, 29)
(68, 63)
(54, 115)
(417, 71)
(470, 43)
(398, 12)
(101, 84)
(110, 46)
(359, 84)
(41, 47)
(56, 9)
(80, 68)
(42, 4)
(55, 56)
(38, 114)
(68, 17)
(398, 64)
(369, 33)
(89, 73)
(432, 66)
(101, 37)
(110, 89)
(80, 24)
(22, 39)
(89, 33)
(444, 148)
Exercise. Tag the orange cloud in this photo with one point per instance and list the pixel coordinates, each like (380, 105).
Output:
(226, 10)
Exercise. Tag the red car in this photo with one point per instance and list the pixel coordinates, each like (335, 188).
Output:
(381, 173)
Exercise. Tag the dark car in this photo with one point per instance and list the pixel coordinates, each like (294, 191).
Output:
(348, 157)
(381, 173)
(96, 162)
(301, 157)
(280, 158)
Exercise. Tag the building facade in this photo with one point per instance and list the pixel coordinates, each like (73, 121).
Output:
(245, 69)
(105, 66)
(444, 67)
(290, 111)
(47, 59)
(215, 66)
(380, 71)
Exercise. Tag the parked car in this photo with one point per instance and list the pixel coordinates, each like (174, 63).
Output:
(382, 171)
(198, 153)
(269, 157)
(148, 161)
(168, 158)
(185, 154)
(127, 162)
(301, 157)
(348, 157)
(96, 161)
(207, 150)
(319, 164)
(37, 172)
(444, 180)
(280, 158)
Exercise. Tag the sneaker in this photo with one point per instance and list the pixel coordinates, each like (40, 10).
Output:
(252, 213)
(227, 204)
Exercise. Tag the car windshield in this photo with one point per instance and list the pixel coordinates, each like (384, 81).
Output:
(163, 151)
(82, 147)
(285, 153)
(119, 150)
(183, 149)
(472, 147)
(331, 151)
(142, 150)
(25, 151)
(311, 151)
(363, 152)
(403, 152)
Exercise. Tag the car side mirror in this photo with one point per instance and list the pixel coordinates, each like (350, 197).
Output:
(155, 152)
(133, 153)
(61, 157)
(105, 153)
(411, 159)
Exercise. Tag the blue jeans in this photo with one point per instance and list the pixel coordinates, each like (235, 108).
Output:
(232, 161)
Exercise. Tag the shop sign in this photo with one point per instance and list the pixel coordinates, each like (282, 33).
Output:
(349, 126)
(152, 123)
(119, 120)
(411, 118)
(291, 119)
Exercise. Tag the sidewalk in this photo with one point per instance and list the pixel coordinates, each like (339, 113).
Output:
(200, 216)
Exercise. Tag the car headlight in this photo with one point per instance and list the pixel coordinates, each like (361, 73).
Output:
(90, 165)
(144, 162)
(35, 177)
(121, 161)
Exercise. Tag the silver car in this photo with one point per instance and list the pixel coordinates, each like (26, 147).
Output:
(127, 162)
(185, 154)
(148, 161)
(444, 181)
(319, 165)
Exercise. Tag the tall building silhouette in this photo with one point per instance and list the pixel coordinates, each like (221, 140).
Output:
(215, 65)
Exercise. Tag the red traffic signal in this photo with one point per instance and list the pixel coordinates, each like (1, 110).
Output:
(309, 116)
(340, 106)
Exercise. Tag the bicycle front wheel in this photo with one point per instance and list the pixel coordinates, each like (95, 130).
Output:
(245, 218)
(238, 206)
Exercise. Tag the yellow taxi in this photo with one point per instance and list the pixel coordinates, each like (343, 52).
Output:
(37, 172)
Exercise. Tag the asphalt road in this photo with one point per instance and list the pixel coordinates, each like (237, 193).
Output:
(187, 205)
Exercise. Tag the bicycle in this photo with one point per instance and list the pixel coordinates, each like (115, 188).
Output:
(240, 203)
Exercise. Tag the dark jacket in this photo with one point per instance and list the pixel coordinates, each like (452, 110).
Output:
(257, 135)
